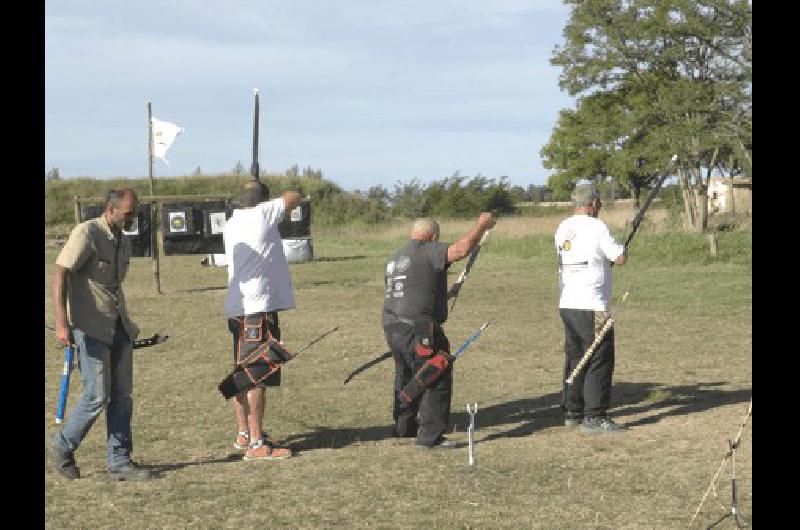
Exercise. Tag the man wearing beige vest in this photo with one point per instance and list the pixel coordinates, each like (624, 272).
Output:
(91, 314)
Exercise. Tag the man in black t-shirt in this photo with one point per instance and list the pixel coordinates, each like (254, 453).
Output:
(414, 309)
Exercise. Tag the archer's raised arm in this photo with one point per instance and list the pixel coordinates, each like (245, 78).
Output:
(461, 248)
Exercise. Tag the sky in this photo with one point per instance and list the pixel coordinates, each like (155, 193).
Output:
(369, 92)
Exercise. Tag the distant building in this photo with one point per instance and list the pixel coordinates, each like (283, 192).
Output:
(730, 195)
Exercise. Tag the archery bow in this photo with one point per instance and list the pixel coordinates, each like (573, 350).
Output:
(139, 343)
(373, 362)
(456, 288)
(69, 353)
(388, 354)
(314, 342)
(640, 216)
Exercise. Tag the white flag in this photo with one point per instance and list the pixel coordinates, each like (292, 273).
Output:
(164, 134)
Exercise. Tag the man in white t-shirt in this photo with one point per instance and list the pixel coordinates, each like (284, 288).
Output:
(586, 251)
(259, 285)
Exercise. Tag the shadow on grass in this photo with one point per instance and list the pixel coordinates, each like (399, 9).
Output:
(201, 289)
(157, 469)
(328, 438)
(655, 400)
(658, 400)
(340, 258)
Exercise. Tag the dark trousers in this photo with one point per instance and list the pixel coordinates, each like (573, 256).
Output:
(428, 417)
(590, 392)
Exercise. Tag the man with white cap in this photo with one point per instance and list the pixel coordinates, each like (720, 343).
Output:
(586, 250)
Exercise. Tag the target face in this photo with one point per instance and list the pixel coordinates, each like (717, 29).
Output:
(134, 230)
(217, 220)
(177, 222)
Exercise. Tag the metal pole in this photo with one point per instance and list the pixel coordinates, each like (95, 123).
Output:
(255, 170)
(154, 212)
(471, 434)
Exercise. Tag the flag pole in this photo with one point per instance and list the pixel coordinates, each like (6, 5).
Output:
(153, 204)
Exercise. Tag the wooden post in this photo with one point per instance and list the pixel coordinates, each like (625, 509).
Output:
(712, 243)
(154, 205)
(77, 209)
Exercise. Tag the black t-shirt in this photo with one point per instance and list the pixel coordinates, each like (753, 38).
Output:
(416, 282)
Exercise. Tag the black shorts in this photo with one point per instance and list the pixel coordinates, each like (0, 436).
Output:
(270, 323)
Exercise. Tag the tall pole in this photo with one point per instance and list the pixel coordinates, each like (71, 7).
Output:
(154, 204)
(254, 169)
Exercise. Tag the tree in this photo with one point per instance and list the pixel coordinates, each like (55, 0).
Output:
(679, 73)
(53, 174)
(197, 172)
(238, 169)
(293, 172)
(310, 172)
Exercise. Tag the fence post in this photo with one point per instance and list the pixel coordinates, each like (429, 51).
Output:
(77, 209)
(712, 243)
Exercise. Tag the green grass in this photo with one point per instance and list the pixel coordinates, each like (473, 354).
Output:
(683, 380)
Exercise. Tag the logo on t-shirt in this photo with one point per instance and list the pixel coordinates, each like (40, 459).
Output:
(389, 268)
(403, 263)
(567, 245)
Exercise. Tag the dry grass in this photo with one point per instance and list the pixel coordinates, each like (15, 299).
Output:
(682, 383)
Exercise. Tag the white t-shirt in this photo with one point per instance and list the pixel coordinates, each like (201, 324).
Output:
(585, 250)
(258, 275)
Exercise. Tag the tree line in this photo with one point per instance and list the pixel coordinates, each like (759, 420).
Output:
(456, 196)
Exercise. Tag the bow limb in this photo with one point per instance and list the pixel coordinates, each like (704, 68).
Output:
(456, 288)
(373, 362)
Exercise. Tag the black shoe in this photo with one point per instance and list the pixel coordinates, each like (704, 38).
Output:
(573, 419)
(63, 462)
(601, 424)
(441, 443)
(129, 471)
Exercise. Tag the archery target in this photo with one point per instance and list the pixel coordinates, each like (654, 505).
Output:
(217, 221)
(177, 222)
(134, 230)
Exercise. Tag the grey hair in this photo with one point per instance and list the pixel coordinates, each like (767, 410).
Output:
(116, 195)
(584, 194)
(426, 224)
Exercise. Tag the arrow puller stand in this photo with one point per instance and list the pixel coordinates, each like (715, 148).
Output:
(732, 447)
(471, 434)
(598, 338)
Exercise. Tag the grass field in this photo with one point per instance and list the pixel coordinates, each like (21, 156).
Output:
(683, 382)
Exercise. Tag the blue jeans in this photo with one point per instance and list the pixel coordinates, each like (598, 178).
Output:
(107, 373)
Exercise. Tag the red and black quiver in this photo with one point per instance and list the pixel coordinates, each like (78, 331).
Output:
(259, 356)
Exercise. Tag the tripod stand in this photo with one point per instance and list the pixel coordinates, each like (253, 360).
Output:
(733, 445)
(734, 508)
